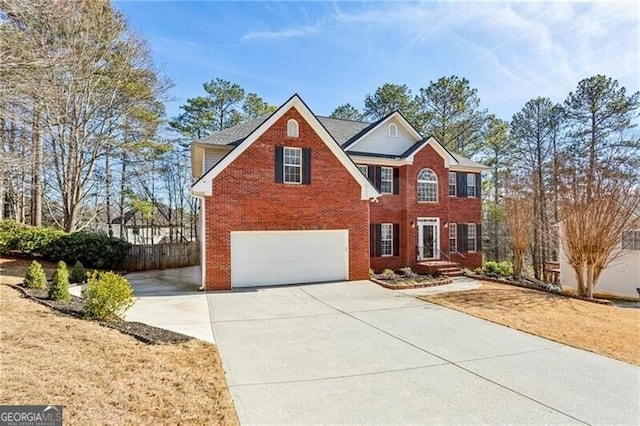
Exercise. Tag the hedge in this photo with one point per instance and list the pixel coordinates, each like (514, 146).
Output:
(94, 250)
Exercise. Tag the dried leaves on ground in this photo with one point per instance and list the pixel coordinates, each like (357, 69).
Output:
(102, 376)
(608, 330)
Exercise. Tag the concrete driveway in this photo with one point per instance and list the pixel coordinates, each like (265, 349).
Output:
(170, 299)
(357, 353)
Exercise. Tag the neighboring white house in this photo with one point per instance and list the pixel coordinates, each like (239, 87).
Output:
(621, 277)
(141, 230)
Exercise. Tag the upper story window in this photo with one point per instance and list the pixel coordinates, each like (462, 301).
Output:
(292, 165)
(471, 237)
(292, 128)
(631, 240)
(386, 180)
(427, 186)
(393, 130)
(364, 169)
(452, 184)
(471, 185)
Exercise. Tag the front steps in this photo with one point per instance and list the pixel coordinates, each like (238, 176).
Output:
(439, 267)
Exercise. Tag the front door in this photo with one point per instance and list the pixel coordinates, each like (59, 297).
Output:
(428, 247)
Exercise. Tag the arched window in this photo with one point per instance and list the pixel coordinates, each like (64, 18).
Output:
(393, 130)
(427, 186)
(292, 128)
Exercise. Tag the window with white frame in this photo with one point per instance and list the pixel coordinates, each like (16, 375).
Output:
(471, 237)
(427, 186)
(631, 240)
(393, 130)
(471, 185)
(453, 237)
(386, 239)
(452, 184)
(364, 169)
(386, 180)
(292, 165)
(292, 128)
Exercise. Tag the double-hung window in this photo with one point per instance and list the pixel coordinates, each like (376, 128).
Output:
(452, 184)
(453, 237)
(292, 165)
(471, 185)
(386, 239)
(364, 169)
(471, 237)
(386, 180)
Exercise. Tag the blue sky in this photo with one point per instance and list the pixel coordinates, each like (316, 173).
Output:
(336, 52)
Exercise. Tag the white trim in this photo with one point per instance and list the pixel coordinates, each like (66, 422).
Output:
(424, 181)
(284, 165)
(393, 134)
(293, 132)
(455, 183)
(474, 186)
(204, 185)
(475, 237)
(468, 169)
(449, 160)
(380, 161)
(203, 245)
(453, 226)
(384, 180)
(404, 123)
(391, 240)
(436, 249)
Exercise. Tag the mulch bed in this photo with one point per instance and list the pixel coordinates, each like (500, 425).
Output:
(143, 332)
(409, 283)
(532, 286)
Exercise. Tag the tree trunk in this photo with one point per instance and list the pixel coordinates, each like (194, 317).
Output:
(36, 172)
(107, 187)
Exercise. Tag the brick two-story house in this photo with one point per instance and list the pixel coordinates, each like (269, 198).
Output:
(292, 197)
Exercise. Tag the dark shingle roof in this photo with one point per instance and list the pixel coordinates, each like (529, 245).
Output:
(345, 132)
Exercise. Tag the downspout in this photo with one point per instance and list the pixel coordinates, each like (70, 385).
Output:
(203, 242)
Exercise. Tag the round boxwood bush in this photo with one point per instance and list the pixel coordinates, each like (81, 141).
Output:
(59, 288)
(35, 277)
(107, 296)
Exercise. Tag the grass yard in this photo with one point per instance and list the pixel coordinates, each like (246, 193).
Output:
(606, 330)
(101, 376)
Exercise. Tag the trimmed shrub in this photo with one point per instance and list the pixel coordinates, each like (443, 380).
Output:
(107, 296)
(59, 288)
(389, 273)
(371, 273)
(36, 240)
(78, 273)
(9, 234)
(503, 269)
(92, 249)
(35, 277)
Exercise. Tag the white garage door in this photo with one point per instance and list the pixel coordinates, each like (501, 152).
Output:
(261, 258)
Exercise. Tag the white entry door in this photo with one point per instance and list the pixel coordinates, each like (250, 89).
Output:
(428, 241)
(261, 258)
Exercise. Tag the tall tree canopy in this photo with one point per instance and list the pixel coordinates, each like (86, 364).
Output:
(388, 98)
(254, 106)
(347, 112)
(450, 111)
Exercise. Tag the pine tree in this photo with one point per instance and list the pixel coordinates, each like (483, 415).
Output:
(35, 277)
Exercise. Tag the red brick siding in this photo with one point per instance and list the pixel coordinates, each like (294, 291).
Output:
(246, 197)
(405, 209)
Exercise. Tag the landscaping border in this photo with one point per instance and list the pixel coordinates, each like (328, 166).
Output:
(120, 326)
(559, 293)
(434, 283)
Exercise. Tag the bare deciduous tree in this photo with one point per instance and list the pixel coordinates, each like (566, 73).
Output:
(518, 206)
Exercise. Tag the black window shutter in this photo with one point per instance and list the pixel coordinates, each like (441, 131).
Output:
(479, 237)
(478, 185)
(396, 181)
(378, 177)
(306, 166)
(462, 238)
(396, 239)
(374, 240)
(462, 184)
(279, 164)
(371, 172)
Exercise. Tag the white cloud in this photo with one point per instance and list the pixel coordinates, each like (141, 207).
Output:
(283, 33)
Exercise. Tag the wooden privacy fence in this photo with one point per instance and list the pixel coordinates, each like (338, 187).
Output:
(161, 256)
